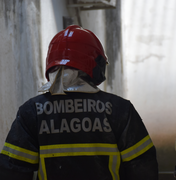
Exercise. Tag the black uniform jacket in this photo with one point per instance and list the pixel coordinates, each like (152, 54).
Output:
(78, 136)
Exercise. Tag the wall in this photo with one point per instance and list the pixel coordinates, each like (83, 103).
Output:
(20, 72)
(149, 36)
(114, 50)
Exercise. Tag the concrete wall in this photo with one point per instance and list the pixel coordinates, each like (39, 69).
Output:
(149, 40)
(114, 50)
(20, 55)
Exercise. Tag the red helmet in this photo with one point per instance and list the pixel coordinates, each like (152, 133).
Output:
(78, 48)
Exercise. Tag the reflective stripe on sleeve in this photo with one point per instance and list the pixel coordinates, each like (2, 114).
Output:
(20, 153)
(136, 150)
(61, 150)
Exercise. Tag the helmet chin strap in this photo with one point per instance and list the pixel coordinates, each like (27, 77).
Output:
(67, 79)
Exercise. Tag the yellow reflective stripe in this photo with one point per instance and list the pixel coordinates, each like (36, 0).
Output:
(39, 175)
(19, 157)
(135, 146)
(139, 153)
(21, 149)
(43, 169)
(60, 150)
(136, 150)
(110, 166)
(78, 150)
(114, 164)
(77, 154)
(20, 153)
(77, 146)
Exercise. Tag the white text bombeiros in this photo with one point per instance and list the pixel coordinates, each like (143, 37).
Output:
(74, 125)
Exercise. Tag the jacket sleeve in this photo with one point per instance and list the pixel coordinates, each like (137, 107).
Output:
(19, 156)
(138, 153)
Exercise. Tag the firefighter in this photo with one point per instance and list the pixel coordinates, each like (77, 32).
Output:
(75, 130)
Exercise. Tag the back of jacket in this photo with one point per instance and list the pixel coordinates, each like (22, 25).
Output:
(78, 136)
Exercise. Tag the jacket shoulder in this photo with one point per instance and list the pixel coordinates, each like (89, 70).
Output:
(115, 98)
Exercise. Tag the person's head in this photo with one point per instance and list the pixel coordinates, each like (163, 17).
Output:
(77, 48)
